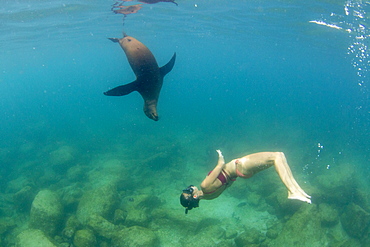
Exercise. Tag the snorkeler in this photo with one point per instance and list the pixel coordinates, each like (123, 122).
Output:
(223, 176)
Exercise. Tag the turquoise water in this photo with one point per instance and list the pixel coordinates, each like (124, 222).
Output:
(250, 76)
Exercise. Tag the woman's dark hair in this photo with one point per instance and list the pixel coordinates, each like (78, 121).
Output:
(187, 200)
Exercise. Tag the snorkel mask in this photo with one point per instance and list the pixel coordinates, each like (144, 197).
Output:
(187, 200)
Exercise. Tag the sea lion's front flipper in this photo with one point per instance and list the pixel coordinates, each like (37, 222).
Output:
(122, 90)
(115, 40)
(164, 70)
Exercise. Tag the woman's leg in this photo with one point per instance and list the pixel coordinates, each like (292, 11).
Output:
(283, 169)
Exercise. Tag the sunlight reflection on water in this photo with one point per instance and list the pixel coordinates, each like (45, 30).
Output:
(353, 21)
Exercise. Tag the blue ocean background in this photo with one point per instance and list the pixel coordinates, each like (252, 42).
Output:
(250, 76)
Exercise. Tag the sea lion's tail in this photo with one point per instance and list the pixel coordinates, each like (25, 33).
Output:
(164, 70)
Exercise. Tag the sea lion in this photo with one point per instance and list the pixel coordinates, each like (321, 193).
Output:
(149, 77)
(126, 10)
(157, 1)
(149, 1)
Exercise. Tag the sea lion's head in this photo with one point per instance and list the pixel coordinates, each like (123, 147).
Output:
(151, 112)
(127, 42)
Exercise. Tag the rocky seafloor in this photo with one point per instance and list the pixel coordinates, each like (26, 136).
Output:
(113, 198)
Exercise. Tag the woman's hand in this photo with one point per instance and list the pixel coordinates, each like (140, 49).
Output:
(221, 160)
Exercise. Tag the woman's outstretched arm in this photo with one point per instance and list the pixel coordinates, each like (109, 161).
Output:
(211, 178)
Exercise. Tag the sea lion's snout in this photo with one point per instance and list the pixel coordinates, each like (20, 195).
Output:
(154, 117)
(150, 110)
(151, 114)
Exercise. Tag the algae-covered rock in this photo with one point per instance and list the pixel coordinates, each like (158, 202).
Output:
(254, 199)
(231, 233)
(363, 198)
(272, 233)
(46, 212)
(302, 229)
(23, 198)
(33, 238)
(204, 236)
(70, 228)
(108, 171)
(248, 237)
(355, 220)
(328, 215)
(137, 217)
(6, 224)
(135, 236)
(281, 204)
(139, 209)
(102, 226)
(366, 240)
(274, 228)
(6, 205)
(70, 197)
(17, 184)
(119, 216)
(104, 244)
(100, 201)
(76, 173)
(84, 238)
(350, 243)
(337, 186)
(62, 156)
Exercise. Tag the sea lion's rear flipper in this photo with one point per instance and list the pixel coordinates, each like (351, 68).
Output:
(164, 70)
(122, 90)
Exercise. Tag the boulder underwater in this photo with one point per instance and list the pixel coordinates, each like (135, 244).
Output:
(328, 215)
(135, 236)
(23, 198)
(84, 238)
(303, 228)
(249, 237)
(33, 238)
(46, 212)
(102, 226)
(355, 221)
(101, 201)
(71, 226)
